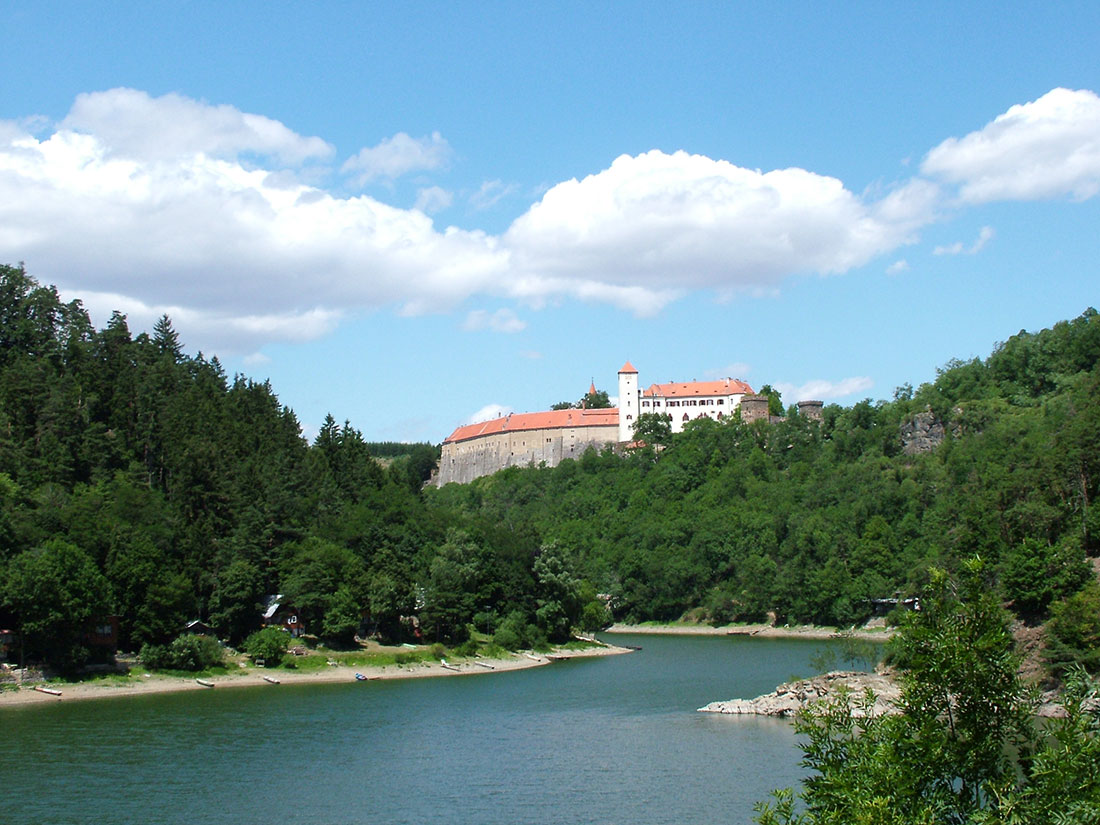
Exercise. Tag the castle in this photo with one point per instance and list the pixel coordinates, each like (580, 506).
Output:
(522, 439)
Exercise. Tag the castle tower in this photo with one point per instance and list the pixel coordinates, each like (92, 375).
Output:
(811, 409)
(628, 401)
(754, 408)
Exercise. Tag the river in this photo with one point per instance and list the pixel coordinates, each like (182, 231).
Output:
(612, 740)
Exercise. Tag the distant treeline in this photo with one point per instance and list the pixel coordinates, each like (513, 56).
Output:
(139, 482)
(399, 449)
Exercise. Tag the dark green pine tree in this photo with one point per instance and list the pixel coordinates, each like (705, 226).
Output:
(166, 339)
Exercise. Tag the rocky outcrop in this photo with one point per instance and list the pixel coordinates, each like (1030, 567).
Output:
(922, 433)
(788, 699)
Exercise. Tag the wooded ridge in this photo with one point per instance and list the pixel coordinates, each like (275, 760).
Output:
(139, 482)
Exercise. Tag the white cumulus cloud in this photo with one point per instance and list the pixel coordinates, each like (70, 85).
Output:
(237, 254)
(168, 204)
(396, 156)
(488, 413)
(130, 123)
(503, 320)
(822, 390)
(650, 227)
(1047, 148)
(897, 267)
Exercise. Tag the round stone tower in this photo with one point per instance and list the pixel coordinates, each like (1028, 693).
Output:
(810, 409)
(754, 408)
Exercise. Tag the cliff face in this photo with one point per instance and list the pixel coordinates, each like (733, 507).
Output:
(922, 433)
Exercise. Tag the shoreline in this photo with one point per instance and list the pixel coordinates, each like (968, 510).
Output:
(764, 631)
(252, 677)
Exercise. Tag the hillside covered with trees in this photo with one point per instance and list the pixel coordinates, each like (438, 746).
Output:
(811, 521)
(140, 482)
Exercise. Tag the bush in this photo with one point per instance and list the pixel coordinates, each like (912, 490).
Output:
(467, 648)
(514, 632)
(1073, 633)
(188, 652)
(506, 638)
(154, 657)
(268, 644)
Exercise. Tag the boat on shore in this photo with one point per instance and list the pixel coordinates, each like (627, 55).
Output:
(204, 683)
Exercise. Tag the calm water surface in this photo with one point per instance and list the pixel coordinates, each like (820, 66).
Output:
(607, 740)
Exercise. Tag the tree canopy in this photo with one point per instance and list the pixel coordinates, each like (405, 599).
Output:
(141, 482)
(965, 747)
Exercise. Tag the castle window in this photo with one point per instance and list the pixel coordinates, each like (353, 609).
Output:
(721, 401)
(686, 416)
(629, 417)
(645, 403)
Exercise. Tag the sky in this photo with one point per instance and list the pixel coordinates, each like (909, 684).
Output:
(417, 215)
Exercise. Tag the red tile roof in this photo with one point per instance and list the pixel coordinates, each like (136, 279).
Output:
(552, 419)
(692, 389)
(628, 367)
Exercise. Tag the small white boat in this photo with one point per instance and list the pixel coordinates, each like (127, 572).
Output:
(50, 691)
(271, 679)
(205, 683)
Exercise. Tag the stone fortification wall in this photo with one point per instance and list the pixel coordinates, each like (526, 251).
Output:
(463, 461)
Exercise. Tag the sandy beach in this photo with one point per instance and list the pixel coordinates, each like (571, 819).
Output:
(138, 683)
(760, 630)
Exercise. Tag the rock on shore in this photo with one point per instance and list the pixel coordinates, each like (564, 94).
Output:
(788, 699)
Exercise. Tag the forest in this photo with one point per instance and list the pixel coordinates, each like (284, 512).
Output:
(143, 483)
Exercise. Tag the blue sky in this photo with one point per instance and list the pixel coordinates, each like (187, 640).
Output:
(410, 215)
